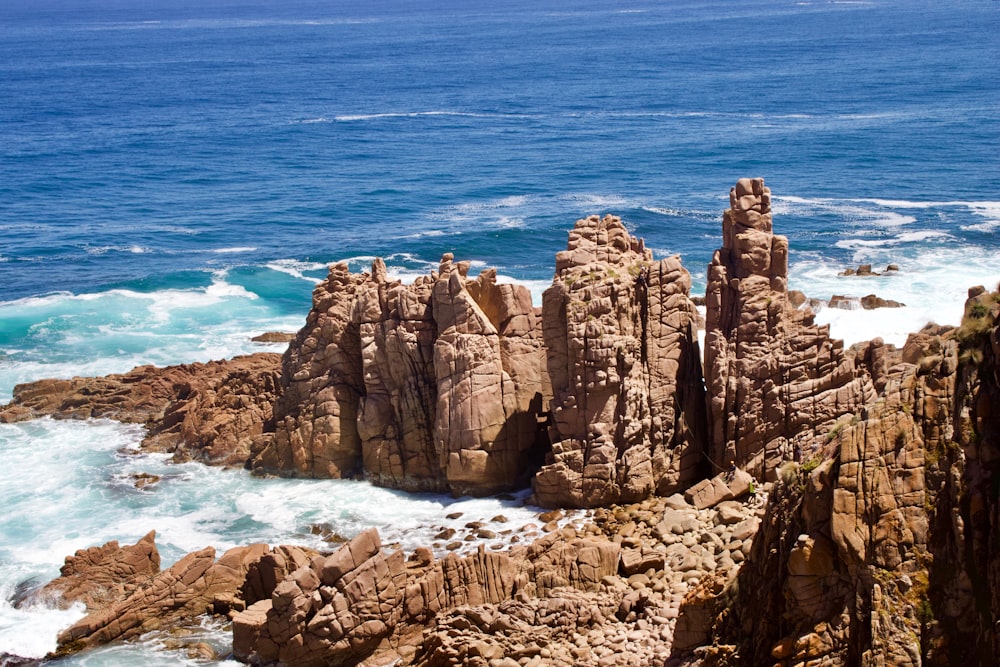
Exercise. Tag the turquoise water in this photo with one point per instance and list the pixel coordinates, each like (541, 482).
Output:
(175, 179)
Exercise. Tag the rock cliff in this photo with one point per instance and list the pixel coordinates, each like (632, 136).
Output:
(434, 386)
(881, 547)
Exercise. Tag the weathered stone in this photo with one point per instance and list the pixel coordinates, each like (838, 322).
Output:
(628, 407)
(775, 380)
(207, 412)
(99, 576)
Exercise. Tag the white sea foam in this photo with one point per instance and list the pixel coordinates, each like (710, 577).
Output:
(297, 269)
(906, 237)
(413, 114)
(598, 203)
(429, 233)
(988, 210)
(510, 201)
(133, 249)
(234, 250)
(30, 632)
(933, 282)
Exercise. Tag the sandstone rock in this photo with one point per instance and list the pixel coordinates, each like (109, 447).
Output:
(434, 386)
(178, 594)
(274, 337)
(620, 332)
(207, 412)
(867, 555)
(871, 302)
(775, 380)
(488, 365)
(315, 419)
(99, 576)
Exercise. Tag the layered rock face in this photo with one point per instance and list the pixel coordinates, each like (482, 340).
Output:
(127, 595)
(434, 386)
(623, 358)
(774, 379)
(100, 575)
(315, 432)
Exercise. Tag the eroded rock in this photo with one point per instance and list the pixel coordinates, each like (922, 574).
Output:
(623, 358)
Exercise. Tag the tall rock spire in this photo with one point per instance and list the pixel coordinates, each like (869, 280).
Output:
(774, 378)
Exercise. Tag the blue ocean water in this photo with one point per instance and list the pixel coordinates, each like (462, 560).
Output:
(175, 177)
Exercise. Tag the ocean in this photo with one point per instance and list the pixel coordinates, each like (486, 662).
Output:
(175, 178)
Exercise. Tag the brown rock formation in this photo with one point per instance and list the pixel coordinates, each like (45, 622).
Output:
(315, 418)
(197, 584)
(621, 335)
(396, 418)
(774, 379)
(207, 412)
(486, 422)
(881, 549)
(101, 575)
(337, 610)
(434, 386)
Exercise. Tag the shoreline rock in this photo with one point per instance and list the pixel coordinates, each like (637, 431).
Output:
(873, 537)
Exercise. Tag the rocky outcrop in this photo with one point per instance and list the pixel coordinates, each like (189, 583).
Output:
(434, 386)
(397, 413)
(775, 381)
(195, 585)
(604, 592)
(867, 302)
(315, 418)
(337, 609)
(101, 575)
(865, 270)
(623, 358)
(491, 382)
(204, 411)
(881, 547)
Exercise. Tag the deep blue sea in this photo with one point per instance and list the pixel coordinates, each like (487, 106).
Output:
(175, 177)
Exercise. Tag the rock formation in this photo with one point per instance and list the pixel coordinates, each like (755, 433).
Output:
(207, 412)
(623, 358)
(127, 595)
(315, 417)
(444, 385)
(878, 543)
(775, 380)
(100, 575)
(881, 548)
(434, 386)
